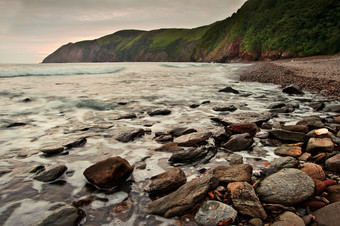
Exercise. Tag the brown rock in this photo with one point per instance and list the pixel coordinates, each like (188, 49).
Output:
(235, 173)
(313, 122)
(287, 150)
(108, 173)
(169, 147)
(337, 119)
(192, 139)
(288, 136)
(333, 193)
(288, 219)
(333, 163)
(167, 181)
(319, 186)
(250, 128)
(320, 145)
(296, 128)
(239, 142)
(245, 200)
(328, 215)
(305, 156)
(52, 150)
(314, 171)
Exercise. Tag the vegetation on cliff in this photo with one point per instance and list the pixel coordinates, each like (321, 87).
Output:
(259, 29)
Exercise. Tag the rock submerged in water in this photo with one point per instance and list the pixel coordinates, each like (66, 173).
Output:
(212, 212)
(50, 173)
(287, 187)
(193, 156)
(159, 112)
(130, 136)
(108, 173)
(192, 139)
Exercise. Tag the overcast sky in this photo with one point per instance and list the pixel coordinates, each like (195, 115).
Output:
(32, 29)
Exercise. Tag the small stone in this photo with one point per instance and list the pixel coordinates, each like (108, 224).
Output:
(229, 89)
(283, 162)
(75, 143)
(296, 128)
(319, 186)
(50, 173)
(160, 112)
(239, 142)
(16, 124)
(235, 173)
(333, 163)
(332, 108)
(164, 138)
(179, 131)
(305, 156)
(52, 150)
(212, 212)
(314, 171)
(225, 108)
(292, 89)
(337, 119)
(130, 136)
(308, 219)
(193, 156)
(255, 222)
(333, 193)
(169, 147)
(235, 159)
(139, 165)
(288, 218)
(240, 128)
(127, 116)
(287, 150)
(320, 145)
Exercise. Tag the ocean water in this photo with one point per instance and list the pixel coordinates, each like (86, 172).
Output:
(54, 103)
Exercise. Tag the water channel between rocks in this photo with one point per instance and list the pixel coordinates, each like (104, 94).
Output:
(54, 103)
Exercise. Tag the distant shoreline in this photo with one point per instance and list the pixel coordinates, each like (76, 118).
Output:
(316, 74)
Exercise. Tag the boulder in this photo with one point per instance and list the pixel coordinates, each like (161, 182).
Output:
(212, 212)
(179, 131)
(245, 200)
(169, 147)
(193, 156)
(292, 89)
(320, 145)
(108, 173)
(131, 135)
(192, 139)
(159, 112)
(288, 219)
(239, 142)
(249, 128)
(333, 193)
(184, 198)
(225, 108)
(166, 182)
(288, 150)
(287, 187)
(333, 163)
(65, 215)
(229, 89)
(313, 122)
(328, 215)
(235, 173)
(314, 171)
(288, 136)
(50, 173)
(283, 162)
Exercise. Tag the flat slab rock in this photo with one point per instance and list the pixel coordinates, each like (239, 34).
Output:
(184, 198)
(212, 212)
(287, 187)
(288, 136)
(193, 156)
(50, 173)
(246, 117)
(234, 173)
(131, 135)
(192, 139)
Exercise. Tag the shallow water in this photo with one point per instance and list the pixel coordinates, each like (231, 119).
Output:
(67, 101)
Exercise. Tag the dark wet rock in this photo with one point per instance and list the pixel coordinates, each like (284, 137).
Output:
(3, 172)
(239, 142)
(26, 100)
(292, 89)
(277, 208)
(229, 89)
(84, 201)
(179, 131)
(130, 136)
(166, 182)
(225, 108)
(313, 170)
(108, 173)
(192, 139)
(160, 112)
(283, 162)
(50, 173)
(65, 215)
(79, 142)
(184, 198)
(328, 215)
(286, 109)
(220, 135)
(206, 102)
(240, 128)
(288, 136)
(16, 124)
(333, 163)
(288, 150)
(169, 147)
(288, 218)
(212, 212)
(296, 128)
(332, 108)
(37, 169)
(276, 105)
(245, 200)
(320, 145)
(127, 116)
(333, 193)
(193, 156)
(320, 186)
(313, 122)
(317, 106)
(235, 173)
(287, 187)
(245, 117)
(53, 150)
(139, 165)
(194, 105)
(164, 138)
(235, 159)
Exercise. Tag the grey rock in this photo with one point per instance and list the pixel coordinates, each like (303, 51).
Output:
(245, 117)
(287, 187)
(288, 136)
(245, 200)
(288, 219)
(328, 215)
(160, 112)
(127, 116)
(239, 142)
(276, 105)
(333, 163)
(320, 145)
(332, 108)
(167, 181)
(65, 215)
(50, 173)
(313, 122)
(130, 136)
(235, 159)
(193, 156)
(184, 198)
(53, 150)
(255, 222)
(283, 162)
(192, 139)
(235, 173)
(212, 212)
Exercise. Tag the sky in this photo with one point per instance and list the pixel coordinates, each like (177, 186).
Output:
(32, 29)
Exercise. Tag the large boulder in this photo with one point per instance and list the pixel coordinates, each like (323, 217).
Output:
(234, 173)
(287, 187)
(288, 219)
(167, 181)
(245, 200)
(184, 198)
(192, 139)
(50, 173)
(333, 163)
(212, 212)
(328, 215)
(108, 173)
(239, 142)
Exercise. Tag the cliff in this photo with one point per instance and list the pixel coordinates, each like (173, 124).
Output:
(259, 30)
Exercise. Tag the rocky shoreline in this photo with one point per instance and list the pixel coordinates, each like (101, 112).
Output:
(320, 74)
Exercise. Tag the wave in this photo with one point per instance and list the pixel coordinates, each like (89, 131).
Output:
(8, 71)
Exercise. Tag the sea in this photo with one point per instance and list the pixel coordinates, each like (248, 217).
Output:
(49, 104)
